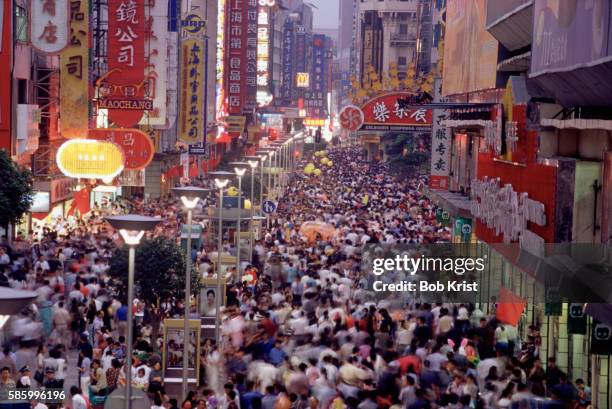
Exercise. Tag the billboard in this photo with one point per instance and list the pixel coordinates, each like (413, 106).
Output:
(123, 88)
(288, 62)
(138, 149)
(191, 126)
(235, 55)
(470, 52)
(569, 34)
(440, 144)
(251, 52)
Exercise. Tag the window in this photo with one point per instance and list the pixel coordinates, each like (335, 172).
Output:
(22, 91)
(401, 61)
(403, 29)
(21, 24)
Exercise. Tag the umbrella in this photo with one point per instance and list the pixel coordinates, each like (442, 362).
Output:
(310, 230)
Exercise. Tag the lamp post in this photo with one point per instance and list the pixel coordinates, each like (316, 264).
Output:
(240, 168)
(221, 180)
(263, 155)
(190, 195)
(253, 164)
(132, 228)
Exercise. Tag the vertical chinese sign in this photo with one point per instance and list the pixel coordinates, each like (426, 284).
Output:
(440, 145)
(124, 86)
(235, 55)
(49, 25)
(74, 74)
(263, 56)
(191, 127)
(157, 63)
(6, 49)
(288, 66)
(317, 96)
(221, 102)
(251, 52)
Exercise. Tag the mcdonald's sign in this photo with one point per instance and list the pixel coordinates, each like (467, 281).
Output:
(302, 79)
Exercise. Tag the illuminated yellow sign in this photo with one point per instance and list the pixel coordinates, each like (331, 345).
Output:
(302, 79)
(314, 122)
(90, 159)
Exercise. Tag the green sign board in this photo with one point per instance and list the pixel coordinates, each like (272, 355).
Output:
(463, 228)
(443, 216)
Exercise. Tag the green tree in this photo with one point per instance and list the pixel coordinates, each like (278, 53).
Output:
(16, 194)
(159, 272)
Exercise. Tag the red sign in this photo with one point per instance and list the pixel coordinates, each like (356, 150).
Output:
(6, 48)
(137, 147)
(351, 118)
(236, 26)
(125, 79)
(394, 112)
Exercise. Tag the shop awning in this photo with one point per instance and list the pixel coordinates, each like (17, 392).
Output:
(518, 63)
(577, 123)
(13, 301)
(457, 204)
(510, 22)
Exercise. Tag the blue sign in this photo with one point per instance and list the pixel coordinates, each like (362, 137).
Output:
(268, 207)
(193, 24)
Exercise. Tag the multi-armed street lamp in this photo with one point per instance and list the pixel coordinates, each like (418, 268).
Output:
(190, 195)
(269, 152)
(240, 168)
(132, 228)
(221, 178)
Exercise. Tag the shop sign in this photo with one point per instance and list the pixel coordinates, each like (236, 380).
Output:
(74, 73)
(389, 112)
(288, 61)
(302, 79)
(351, 118)
(157, 67)
(443, 216)
(137, 147)
(49, 25)
(126, 104)
(601, 338)
(252, 51)
(235, 54)
(508, 212)
(440, 145)
(370, 139)
(193, 24)
(576, 319)
(263, 55)
(125, 80)
(86, 158)
(314, 122)
(221, 96)
(463, 228)
(191, 125)
(235, 123)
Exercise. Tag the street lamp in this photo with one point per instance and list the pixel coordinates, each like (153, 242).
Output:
(253, 161)
(240, 168)
(263, 155)
(221, 180)
(132, 228)
(190, 195)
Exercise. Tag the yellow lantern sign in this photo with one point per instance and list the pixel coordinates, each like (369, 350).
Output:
(90, 159)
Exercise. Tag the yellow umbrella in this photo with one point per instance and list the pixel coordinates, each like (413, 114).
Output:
(317, 172)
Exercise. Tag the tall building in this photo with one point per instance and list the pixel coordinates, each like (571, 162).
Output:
(394, 32)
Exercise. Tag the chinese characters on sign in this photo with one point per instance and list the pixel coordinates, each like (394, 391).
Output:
(191, 129)
(288, 66)
(389, 113)
(251, 54)
(237, 19)
(157, 64)
(221, 102)
(440, 146)
(74, 73)
(263, 51)
(125, 80)
(50, 25)
(137, 147)
(316, 99)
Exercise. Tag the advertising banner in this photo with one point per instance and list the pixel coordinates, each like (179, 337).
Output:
(569, 34)
(6, 48)
(157, 58)
(263, 56)
(316, 99)
(391, 112)
(191, 126)
(49, 25)
(440, 144)
(470, 52)
(221, 96)
(123, 88)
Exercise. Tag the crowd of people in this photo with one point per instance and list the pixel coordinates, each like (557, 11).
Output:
(302, 331)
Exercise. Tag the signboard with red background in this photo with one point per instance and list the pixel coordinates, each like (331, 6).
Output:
(137, 147)
(236, 24)
(125, 80)
(390, 113)
(6, 48)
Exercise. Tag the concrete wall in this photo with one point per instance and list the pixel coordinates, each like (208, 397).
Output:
(153, 179)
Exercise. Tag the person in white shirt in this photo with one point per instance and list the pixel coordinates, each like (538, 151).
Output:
(78, 401)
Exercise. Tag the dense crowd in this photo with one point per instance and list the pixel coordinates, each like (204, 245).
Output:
(302, 329)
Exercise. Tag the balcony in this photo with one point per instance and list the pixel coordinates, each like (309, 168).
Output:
(510, 22)
(403, 39)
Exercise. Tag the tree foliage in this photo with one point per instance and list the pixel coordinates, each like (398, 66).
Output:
(159, 271)
(16, 194)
